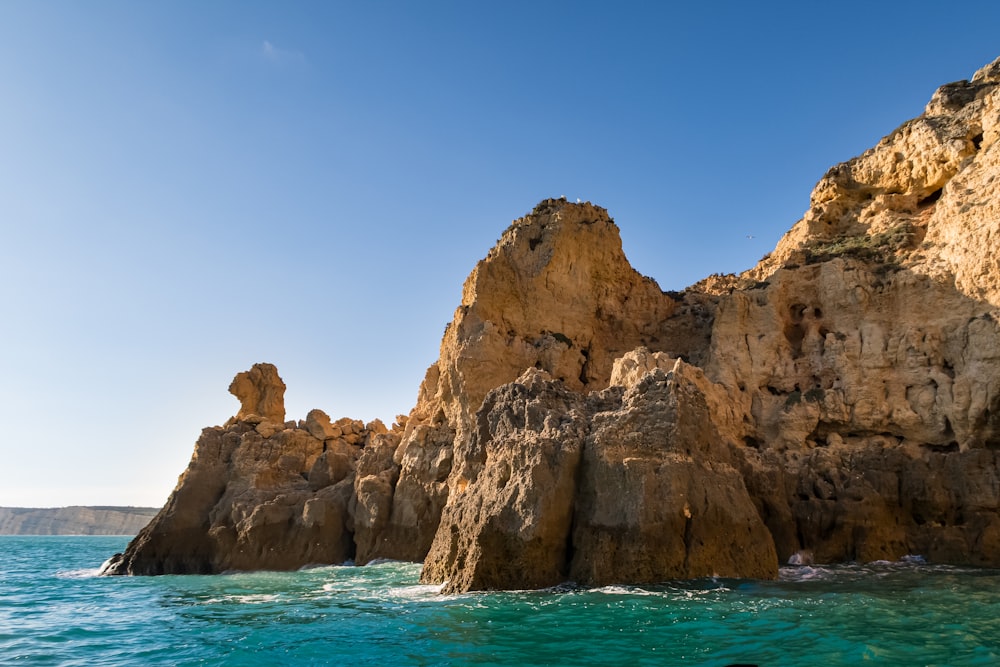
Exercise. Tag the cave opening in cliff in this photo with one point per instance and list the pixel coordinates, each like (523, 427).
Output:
(930, 199)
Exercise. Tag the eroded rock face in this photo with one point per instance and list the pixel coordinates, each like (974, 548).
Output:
(261, 393)
(631, 485)
(839, 399)
(864, 352)
(855, 369)
(925, 196)
(660, 497)
(859, 387)
(555, 293)
(509, 520)
(257, 494)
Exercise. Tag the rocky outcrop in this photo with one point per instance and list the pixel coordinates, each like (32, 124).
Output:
(864, 351)
(508, 522)
(74, 520)
(261, 393)
(839, 399)
(259, 493)
(660, 496)
(556, 293)
(628, 485)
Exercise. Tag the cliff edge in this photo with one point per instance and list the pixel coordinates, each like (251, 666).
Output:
(840, 401)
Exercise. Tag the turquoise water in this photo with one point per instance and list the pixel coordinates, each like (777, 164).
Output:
(55, 611)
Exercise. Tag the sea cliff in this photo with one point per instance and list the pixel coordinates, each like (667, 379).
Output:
(840, 401)
(74, 520)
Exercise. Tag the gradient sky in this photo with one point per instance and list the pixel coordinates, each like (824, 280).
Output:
(188, 188)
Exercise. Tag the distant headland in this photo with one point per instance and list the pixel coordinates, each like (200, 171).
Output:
(74, 520)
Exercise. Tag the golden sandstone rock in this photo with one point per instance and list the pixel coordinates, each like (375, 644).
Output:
(261, 393)
(841, 398)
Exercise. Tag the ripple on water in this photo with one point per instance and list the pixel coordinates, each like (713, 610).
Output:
(54, 611)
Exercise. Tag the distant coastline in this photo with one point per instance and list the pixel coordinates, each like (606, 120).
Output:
(75, 520)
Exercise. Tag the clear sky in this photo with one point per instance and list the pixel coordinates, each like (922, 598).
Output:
(187, 188)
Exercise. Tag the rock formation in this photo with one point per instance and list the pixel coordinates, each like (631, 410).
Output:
(627, 484)
(261, 393)
(555, 293)
(842, 397)
(864, 351)
(260, 492)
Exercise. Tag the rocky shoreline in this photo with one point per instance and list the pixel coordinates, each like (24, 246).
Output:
(841, 399)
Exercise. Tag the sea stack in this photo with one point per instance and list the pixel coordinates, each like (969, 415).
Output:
(841, 398)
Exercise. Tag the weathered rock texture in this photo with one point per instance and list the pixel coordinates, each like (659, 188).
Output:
(259, 493)
(841, 398)
(74, 520)
(555, 293)
(261, 393)
(864, 352)
(631, 485)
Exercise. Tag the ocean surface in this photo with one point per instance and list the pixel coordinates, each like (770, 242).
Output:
(55, 610)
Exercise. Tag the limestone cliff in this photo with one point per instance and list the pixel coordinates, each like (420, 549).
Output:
(863, 353)
(841, 398)
(74, 520)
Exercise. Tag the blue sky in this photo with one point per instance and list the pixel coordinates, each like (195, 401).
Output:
(187, 188)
